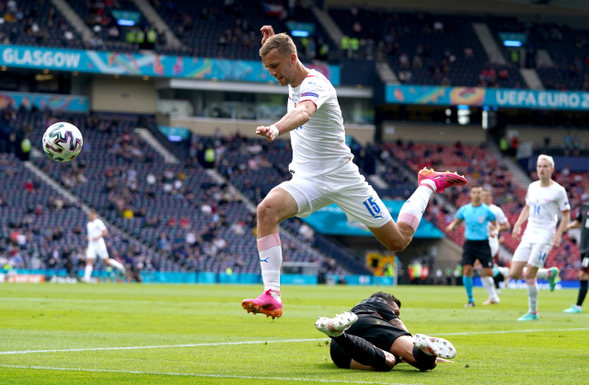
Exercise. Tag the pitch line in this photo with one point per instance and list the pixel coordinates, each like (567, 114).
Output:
(510, 331)
(198, 375)
(264, 342)
(163, 346)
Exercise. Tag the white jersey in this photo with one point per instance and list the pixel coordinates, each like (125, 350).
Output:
(94, 229)
(544, 204)
(501, 219)
(318, 146)
(499, 216)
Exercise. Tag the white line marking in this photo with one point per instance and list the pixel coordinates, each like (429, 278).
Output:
(199, 375)
(163, 346)
(509, 331)
(265, 342)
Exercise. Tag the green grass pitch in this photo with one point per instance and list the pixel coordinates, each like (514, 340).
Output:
(197, 334)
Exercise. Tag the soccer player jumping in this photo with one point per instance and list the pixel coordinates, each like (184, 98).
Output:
(322, 170)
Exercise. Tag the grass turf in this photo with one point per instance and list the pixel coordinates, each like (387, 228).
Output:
(187, 334)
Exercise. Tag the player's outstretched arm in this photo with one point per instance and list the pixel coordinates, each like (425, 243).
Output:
(293, 119)
(267, 32)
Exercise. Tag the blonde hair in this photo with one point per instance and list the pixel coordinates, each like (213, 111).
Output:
(546, 157)
(282, 43)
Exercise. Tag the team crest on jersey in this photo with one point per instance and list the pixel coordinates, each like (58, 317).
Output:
(482, 218)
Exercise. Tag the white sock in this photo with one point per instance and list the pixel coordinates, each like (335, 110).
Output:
(543, 273)
(532, 295)
(413, 208)
(88, 271)
(270, 251)
(504, 271)
(117, 265)
(489, 286)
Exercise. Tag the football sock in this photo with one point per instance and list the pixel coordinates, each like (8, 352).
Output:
(270, 251)
(468, 284)
(582, 293)
(503, 270)
(543, 273)
(88, 271)
(532, 295)
(117, 265)
(413, 208)
(363, 351)
(489, 286)
(424, 360)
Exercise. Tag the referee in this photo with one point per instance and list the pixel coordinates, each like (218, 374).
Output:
(476, 215)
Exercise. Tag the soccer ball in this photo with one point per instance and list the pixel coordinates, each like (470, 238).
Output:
(62, 142)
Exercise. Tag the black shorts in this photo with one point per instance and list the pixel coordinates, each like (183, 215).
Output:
(473, 250)
(373, 329)
(584, 262)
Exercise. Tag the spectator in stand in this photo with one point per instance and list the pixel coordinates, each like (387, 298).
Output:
(468, 53)
(438, 27)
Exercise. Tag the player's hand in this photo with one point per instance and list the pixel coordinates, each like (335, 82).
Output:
(267, 132)
(556, 240)
(517, 229)
(449, 228)
(493, 233)
(95, 239)
(267, 32)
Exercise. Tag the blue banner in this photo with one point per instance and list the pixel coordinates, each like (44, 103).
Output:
(333, 221)
(476, 96)
(43, 101)
(115, 63)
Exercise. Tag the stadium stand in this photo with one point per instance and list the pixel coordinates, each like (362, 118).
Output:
(108, 34)
(426, 49)
(36, 23)
(176, 209)
(481, 167)
(39, 229)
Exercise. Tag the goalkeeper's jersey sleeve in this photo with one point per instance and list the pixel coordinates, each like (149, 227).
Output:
(375, 306)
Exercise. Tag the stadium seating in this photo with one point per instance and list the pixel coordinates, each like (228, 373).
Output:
(98, 16)
(37, 23)
(472, 161)
(193, 223)
(43, 228)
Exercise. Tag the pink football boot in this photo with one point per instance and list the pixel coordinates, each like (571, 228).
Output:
(265, 304)
(443, 180)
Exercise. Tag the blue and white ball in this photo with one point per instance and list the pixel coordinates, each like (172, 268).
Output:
(62, 142)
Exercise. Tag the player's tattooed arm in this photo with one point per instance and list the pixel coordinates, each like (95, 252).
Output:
(398, 324)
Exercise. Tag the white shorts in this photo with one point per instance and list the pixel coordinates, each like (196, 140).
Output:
(534, 253)
(347, 188)
(96, 250)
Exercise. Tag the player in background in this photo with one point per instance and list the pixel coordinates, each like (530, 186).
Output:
(97, 247)
(494, 241)
(478, 218)
(582, 221)
(322, 170)
(544, 199)
(372, 337)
